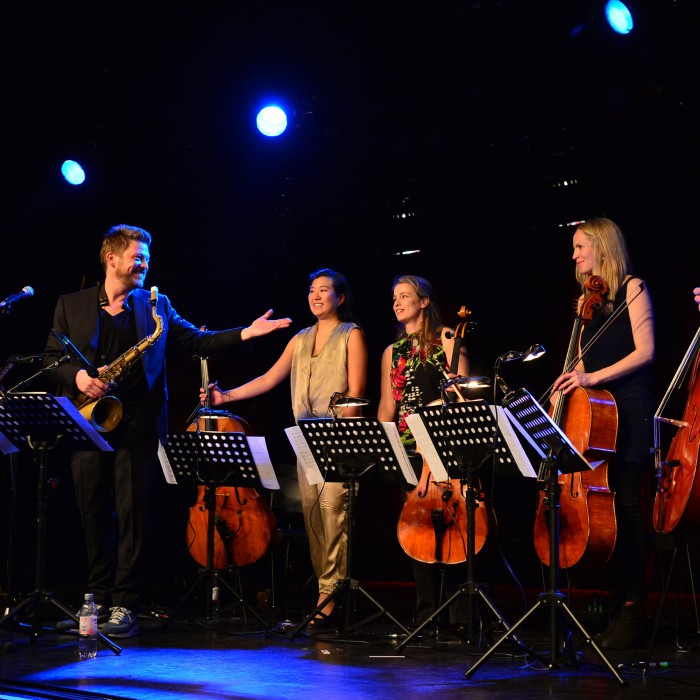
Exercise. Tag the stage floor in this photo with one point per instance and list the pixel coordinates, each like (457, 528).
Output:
(256, 653)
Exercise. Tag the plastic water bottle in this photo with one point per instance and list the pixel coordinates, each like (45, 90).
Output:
(87, 629)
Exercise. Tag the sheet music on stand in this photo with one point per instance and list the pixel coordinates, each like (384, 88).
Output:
(43, 416)
(324, 446)
(445, 434)
(542, 433)
(234, 459)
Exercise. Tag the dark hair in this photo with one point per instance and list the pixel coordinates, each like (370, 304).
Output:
(346, 310)
(117, 240)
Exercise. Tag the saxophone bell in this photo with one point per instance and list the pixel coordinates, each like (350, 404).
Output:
(104, 414)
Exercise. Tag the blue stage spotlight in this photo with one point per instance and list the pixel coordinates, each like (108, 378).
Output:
(73, 172)
(271, 121)
(619, 16)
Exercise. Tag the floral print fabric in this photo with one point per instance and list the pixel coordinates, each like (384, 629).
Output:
(416, 377)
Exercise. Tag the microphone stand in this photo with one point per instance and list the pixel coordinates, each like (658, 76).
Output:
(24, 382)
(68, 346)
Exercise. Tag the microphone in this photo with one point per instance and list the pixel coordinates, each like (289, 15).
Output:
(68, 345)
(26, 292)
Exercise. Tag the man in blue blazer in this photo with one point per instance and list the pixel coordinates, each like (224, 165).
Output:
(103, 323)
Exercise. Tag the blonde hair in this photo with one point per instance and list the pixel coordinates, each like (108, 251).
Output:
(611, 258)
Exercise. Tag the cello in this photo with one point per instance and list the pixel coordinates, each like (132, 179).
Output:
(677, 497)
(245, 528)
(588, 417)
(432, 527)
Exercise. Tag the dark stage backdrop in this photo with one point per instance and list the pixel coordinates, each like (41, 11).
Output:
(469, 118)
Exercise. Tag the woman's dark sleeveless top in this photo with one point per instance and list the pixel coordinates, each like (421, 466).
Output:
(632, 393)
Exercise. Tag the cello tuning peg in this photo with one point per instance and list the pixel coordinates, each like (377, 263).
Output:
(464, 312)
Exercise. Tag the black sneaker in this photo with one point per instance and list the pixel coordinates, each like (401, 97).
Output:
(102, 617)
(122, 623)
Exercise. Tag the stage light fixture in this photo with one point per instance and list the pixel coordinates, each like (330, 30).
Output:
(73, 172)
(271, 121)
(619, 16)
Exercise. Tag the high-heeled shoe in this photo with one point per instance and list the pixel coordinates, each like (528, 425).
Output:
(323, 621)
(319, 624)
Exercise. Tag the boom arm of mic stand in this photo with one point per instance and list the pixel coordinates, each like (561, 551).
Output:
(24, 382)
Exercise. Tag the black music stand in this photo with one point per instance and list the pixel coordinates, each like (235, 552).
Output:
(39, 420)
(559, 456)
(348, 449)
(457, 439)
(213, 459)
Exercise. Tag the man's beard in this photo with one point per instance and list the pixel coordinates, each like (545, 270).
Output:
(130, 281)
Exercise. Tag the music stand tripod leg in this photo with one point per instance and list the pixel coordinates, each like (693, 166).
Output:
(352, 584)
(207, 574)
(380, 610)
(470, 588)
(102, 637)
(348, 584)
(189, 593)
(243, 602)
(662, 600)
(553, 598)
(340, 587)
(39, 596)
(210, 574)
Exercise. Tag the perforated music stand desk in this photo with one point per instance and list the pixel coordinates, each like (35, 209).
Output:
(559, 456)
(39, 420)
(345, 450)
(214, 459)
(456, 440)
(456, 437)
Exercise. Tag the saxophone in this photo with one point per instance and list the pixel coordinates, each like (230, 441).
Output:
(106, 412)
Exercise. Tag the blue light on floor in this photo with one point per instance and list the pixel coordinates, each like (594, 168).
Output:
(266, 672)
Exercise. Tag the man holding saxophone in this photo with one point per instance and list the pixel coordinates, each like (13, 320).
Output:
(123, 331)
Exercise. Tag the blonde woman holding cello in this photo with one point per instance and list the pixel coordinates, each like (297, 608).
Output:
(620, 360)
